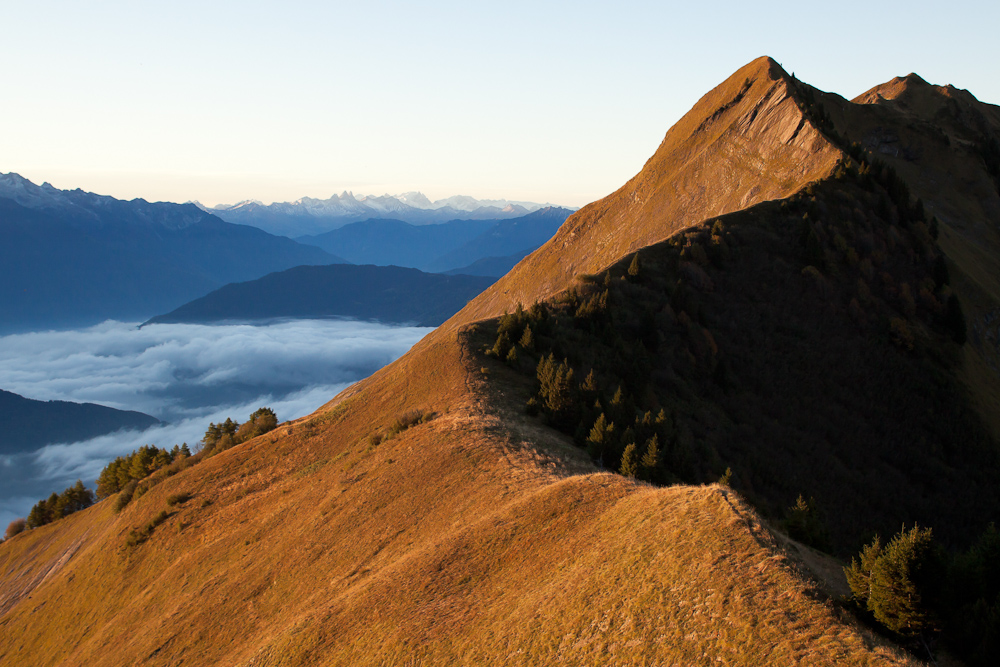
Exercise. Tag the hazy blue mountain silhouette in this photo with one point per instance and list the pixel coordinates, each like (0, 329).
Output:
(28, 424)
(505, 238)
(441, 247)
(74, 258)
(394, 242)
(389, 294)
(494, 267)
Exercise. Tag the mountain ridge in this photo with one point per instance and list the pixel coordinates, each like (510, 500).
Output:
(72, 258)
(511, 546)
(308, 216)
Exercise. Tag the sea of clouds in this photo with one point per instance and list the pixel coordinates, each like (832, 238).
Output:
(185, 375)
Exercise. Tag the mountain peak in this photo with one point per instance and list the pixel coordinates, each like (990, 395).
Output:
(748, 138)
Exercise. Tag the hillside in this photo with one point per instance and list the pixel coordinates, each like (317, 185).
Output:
(389, 294)
(28, 424)
(71, 258)
(484, 535)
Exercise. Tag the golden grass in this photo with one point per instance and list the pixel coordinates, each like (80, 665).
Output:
(455, 542)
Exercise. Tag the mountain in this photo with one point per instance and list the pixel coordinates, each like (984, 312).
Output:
(28, 424)
(311, 217)
(383, 293)
(438, 248)
(394, 242)
(490, 266)
(773, 305)
(506, 238)
(72, 258)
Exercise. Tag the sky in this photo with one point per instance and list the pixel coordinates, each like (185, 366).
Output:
(557, 102)
(186, 375)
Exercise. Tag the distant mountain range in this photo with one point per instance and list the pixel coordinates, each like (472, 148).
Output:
(28, 424)
(73, 258)
(442, 247)
(388, 294)
(309, 216)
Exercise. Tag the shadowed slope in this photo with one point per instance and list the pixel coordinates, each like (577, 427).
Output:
(946, 145)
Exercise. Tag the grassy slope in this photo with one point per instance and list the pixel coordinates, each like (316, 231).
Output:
(455, 541)
(458, 540)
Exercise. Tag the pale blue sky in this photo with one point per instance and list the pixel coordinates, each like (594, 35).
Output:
(545, 101)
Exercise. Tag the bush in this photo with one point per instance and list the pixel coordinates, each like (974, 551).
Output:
(262, 421)
(178, 498)
(406, 420)
(15, 527)
(125, 495)
(137, 537)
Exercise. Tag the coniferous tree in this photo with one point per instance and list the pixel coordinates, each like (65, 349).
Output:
(891, 581)
(629, 466)
(650, 459)
(633, 268)
(527, 341)
(600, 437)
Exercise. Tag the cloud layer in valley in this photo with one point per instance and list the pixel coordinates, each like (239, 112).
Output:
(185, 375)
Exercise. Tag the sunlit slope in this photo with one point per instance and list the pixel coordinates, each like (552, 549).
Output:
(454, 542)
(744, 142)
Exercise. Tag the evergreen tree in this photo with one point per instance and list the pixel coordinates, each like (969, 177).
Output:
(650, 459)
(629, 466)
(633, 268)
(527, 341)
(891, 581)
(600, 437)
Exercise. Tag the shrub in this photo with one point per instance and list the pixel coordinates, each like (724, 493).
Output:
(15, 527)
(137, 537)
(178, 498)
(125, 495)
(262, 421)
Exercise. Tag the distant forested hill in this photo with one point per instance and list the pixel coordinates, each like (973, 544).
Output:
(389, 294)
(28, 424)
